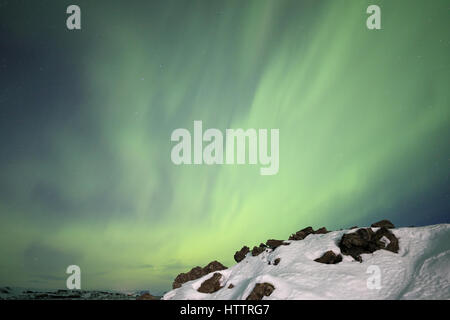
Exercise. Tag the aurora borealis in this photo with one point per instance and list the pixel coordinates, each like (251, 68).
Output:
(86, 118)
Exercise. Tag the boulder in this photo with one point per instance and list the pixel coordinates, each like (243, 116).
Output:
(257, 250)
(273, 244)
(302, 234)
(276, 261)
(214, 266)
(383, 223)
(211, 285)
(329, 257)
(197, 273)
(322, 230)
(240, 255)
(366, 241)
(231, 286)
(260, 290)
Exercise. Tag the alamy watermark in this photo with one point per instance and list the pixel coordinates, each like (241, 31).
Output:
(74, 280)
(374, 281)
(234, 140)
(73, 22)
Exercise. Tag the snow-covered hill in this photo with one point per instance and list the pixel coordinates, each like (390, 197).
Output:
(420, 270)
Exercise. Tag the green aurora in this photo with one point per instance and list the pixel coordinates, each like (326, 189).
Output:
(86, 176)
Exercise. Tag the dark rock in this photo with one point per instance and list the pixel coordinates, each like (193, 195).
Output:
(354, 227)
(240, 255)
(211, 285)
(231, 286)
(329, 257)
(302, 234)
(273, 244)
(366, 241)
(257, 251)
(196, 273)
(214, 266)
(276, 261)
(146, 296)
(383, 223)
(322, 230)
(260, 290)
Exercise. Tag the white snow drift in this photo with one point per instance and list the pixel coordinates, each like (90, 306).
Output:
(420, 270)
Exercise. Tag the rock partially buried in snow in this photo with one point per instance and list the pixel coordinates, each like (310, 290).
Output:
(367, 241)
(276, 261)
(383, 223)
(329, 257)
(196, 273)
(211, 285)
(261, 290)
(273, 244)
(240, 255)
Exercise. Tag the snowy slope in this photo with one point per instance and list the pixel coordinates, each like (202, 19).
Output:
(420, 270)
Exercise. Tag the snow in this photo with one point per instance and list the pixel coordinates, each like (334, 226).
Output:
(420, 270)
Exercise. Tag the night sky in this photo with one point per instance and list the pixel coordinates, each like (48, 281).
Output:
(86, 118)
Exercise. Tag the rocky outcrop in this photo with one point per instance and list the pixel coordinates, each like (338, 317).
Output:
(197, 273)
(383, 224)
(240, 255)
(261, 290)
(211, 285)
(367, 241)
(329, 257)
